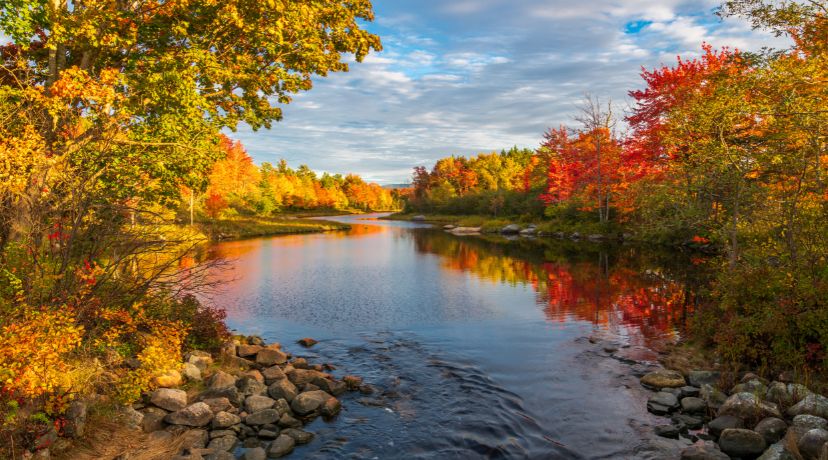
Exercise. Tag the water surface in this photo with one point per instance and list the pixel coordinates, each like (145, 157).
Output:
(477, 345)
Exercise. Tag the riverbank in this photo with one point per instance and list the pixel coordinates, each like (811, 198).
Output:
(250, 227)
(251, 400)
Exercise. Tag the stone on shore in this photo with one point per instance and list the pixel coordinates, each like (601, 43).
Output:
(169, 399)
(224, 443)
(270, 357)
(308, 342)
(263, 417)
(169, 379)
(153, 419)
(748, 407)
(281, 446)
(310, 402)
(662, 403)
(663, 378)
(221, 380)
(703, 450)
(224, 420)
(723, 422)
(191, 372)
(812, 404)
(693, 405)
(198, 414)
(772, 429)
(273, 373)
(255, 404)
(810, 445)
(742, 443)
(699, 378)
(255, 453)
(282, 389)
(300, 436)
(247, 351)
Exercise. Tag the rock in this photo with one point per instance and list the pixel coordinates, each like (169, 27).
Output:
(269, 357)
(201, 360)
(219, 455)
(609, 347)
(668, 431)
(753, 386)
(330, 386)
(45, 440)
(255, 453)
(198, 414)
(466, 230)
(248, 386)
(221, 433)
(575, 236)
(281, 446)
(511, 229)
(218, 404)
(268, 434)
(449, 227)
(195, 439)
(191, 372)
(225, 443)
(247, 351)
(694, 422)
(229, 393)
(699, 378)
(712, 396)
(812, 404)
(721, 423)
(528, 231)
(262, 417)
(161, 437)
(811, 443)
(308, 342)
(153, 419)
(286, 421)
(663, 378)
(221, 380)
(772, 429)
(777, 451)
(703, 450)
(662, 403)
(688, 391)
(300, 363)
(255, 375)
(131, 417)
(258, 403)
(810, 422)
(282, 406)
(176, 430)
(169, 399)
(309, 402)
(748, 407)
(693, 405)
(225, 420)
(742, 443)
(300, 436)
(169, 379)
(282, 389)
(304, 376)
(419, 218)
(352, 382)
(75, 419)
(331, 407)
(271, 374)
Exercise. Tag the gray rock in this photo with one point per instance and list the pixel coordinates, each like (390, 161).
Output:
(221, 433)
(258, 403)
(221, 380)
(202, 362)
(811, 443)
(810, 422)
(419, 218)
(309, 402)
(270, 357)
(772, 429)
(225, 420)
(748, 407)
(268, 434)
(218, 404)
(231, 393)
(169, 399)
(153, 419)
(663, 378)
(812, 404)
(273, 373)
(694, 422)
(703, 450)
(721, 423)
(198, 414)
(712, 396)
(225, 443)
(511, 229)
(262, 417)
(668, 431)
(248, 385)
(256, 453)
(282, 389)
(662, 403)
(194, 439)
(75, 420)
(693, 405)
(786, 394)
(286, 421)
(742, 443)
(160, 437)
(689, 391)
(131, 417)
(777, 451)
(281, 446)
(248, 350)
(300, 436)
(752, 386)
(699, 378)
(191, 372)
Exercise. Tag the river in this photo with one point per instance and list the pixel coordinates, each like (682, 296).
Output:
(479, 346)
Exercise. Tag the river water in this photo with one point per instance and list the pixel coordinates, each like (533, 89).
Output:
(479, 347)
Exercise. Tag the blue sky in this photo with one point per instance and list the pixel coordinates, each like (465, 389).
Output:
(470, 76)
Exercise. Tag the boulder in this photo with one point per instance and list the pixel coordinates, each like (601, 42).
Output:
(300, 436)
(699, 378)
(721, 423)
(169, 379)
(191, 372)
(703, 450)
(352, 382)
(270, 357)
(281, 446)
(663, 378)
(229, 393)
(448, 227)
(310, 402)
(75, 419)
(153, 419)
(693, 405)
(694, 422)
(247, 351)
(273, 373)
(258, 403)
(169, 399)
(772, 429)
(201, 360)
(812, 404)
(282, 389)
(777, 451)
(218, 404)
(752, 386)
(810, 445)
(748, 407)
(194, 439)
(330, 407)
(662, 403)
(308, 342)
(221, 380)
(712, 396)
(224, 443)
(225, 420)
(130, 417)
(668, 431)
(262, 417)
(248, 386)
(689, 391)
(466, 230)
(511, 229)
(255, 453)
(198, 414)
(286, 421)
(742, 443)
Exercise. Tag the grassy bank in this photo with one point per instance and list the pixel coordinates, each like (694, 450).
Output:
(489, 224)
(230, 229)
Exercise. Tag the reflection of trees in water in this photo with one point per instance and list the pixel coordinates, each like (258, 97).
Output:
(612, 286)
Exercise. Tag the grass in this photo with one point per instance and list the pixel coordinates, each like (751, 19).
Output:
(249, 227)
(489, 224)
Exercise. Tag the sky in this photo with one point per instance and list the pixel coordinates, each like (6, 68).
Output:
(460, 77)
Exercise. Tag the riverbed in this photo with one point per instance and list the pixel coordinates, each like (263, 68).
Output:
(478, 346)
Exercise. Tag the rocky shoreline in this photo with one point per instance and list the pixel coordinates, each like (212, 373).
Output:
(756, 418)
(250, 401)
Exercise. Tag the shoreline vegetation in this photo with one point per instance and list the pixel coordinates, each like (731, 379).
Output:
(241, 228)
